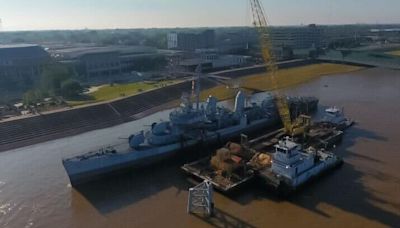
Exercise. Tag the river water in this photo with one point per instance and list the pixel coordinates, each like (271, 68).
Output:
(364, 192)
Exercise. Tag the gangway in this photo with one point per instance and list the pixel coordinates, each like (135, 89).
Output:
(201, 199)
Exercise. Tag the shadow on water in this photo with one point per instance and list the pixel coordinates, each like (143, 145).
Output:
(118, 191)
(221, 218)
(353, 134)
(345, 189)
(342, 188)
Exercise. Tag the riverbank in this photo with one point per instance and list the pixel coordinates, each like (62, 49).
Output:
(63, 123)
(111, 92)
(54, 125)
(284, 78)
(396, 53)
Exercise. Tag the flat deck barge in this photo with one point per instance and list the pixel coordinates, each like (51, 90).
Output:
(237, 164)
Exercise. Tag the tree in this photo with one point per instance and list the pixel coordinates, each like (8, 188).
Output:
(71, 88)
(32, 97)
(345, 53)
(158, 40)
(52, 77)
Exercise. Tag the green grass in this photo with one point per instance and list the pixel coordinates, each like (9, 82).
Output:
(77, 103)
(283, 78)
(110, 92)
(397, 53)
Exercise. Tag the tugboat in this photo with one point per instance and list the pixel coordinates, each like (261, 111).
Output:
(291, 166)
(334, 116)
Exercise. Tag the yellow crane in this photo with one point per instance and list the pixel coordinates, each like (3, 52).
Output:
(261, 24)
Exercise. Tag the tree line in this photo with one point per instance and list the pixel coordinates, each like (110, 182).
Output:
(55, 80)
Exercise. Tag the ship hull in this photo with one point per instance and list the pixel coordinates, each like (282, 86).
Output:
(284, 186)
(85, 168)
(82, 171)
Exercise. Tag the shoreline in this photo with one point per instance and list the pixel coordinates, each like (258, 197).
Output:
(118, 112)
(297, 76)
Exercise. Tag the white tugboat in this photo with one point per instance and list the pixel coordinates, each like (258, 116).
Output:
(335, 116)
(292, 167)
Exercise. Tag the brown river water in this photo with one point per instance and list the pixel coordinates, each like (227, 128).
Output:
(364, 192)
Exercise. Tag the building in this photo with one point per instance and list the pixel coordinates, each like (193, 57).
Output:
(386, 34)
(20, 65)
(211, 60)
(297, 37)
(232, 41)
(191, 41)
(345, 32)
(105, 64)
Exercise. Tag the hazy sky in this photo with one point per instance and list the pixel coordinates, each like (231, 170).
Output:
(95, 14)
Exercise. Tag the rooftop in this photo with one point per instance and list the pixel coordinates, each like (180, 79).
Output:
(76, 52)
(7, 46)
(286, 144)
(11, 52)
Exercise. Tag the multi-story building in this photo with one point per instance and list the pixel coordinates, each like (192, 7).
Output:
(191, 41)
(302, 37)
(20, 65)
(299, 37)
(388, 34)
(104, 64)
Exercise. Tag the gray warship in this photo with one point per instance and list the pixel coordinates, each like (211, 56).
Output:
(191, 124)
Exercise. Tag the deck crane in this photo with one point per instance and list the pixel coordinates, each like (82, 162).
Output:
(261, 24)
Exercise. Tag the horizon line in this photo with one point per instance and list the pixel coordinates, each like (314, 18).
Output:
(185, 27)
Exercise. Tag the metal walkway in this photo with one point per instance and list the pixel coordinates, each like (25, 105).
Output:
(201, 199)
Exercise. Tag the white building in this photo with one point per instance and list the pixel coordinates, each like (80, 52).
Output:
(172, 40)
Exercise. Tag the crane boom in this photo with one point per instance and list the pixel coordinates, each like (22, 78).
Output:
(261, 24)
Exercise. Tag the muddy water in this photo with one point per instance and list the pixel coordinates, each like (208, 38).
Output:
(365, 192)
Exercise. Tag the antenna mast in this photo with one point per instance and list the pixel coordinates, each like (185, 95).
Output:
(197, 85)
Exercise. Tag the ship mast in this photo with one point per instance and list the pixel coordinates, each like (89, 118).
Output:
(196, 87)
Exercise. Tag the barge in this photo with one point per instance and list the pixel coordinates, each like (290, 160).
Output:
(280, 162)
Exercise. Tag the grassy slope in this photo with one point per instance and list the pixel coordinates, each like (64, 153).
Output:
(284, 78)
(108, 92)
(397, 53)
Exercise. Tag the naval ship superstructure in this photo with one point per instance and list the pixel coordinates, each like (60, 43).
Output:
(189, 125)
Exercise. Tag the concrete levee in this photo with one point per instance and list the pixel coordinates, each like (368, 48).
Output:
(40, 128)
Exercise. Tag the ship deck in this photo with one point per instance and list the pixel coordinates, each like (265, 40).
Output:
(201, 170)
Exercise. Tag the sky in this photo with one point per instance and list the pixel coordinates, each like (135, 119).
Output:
(99, 14)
